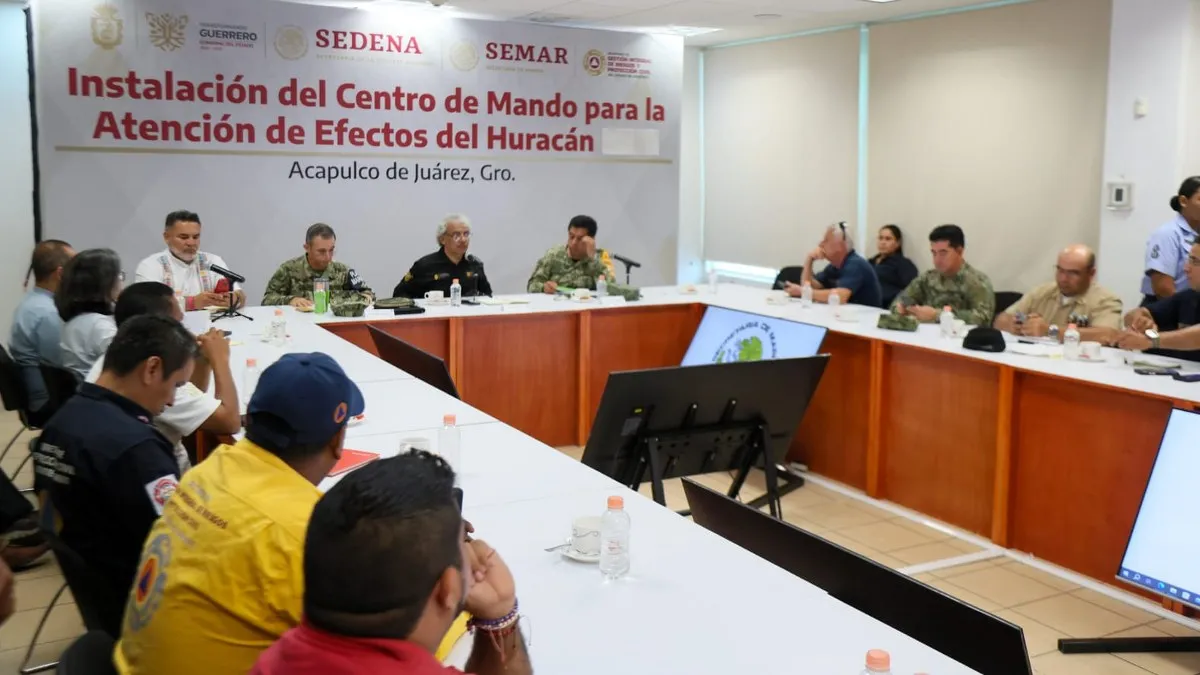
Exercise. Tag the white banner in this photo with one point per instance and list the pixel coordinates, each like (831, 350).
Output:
(267, 117)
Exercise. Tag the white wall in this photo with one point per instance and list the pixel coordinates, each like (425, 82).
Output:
(691, 201)
(1148, 58)
(16, 163)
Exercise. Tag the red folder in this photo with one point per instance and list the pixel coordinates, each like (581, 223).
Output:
(352, 459)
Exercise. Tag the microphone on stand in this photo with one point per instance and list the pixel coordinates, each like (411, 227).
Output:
(230, 278)
(228, 274)
(629, 264)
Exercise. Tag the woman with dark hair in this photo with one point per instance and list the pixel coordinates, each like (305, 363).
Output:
(85, 300)
(895, 272)
(1167, 250)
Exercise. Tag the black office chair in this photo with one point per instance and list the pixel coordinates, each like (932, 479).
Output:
(15, 399)
(792, 274)
(61, 384)
(100, 609)
(1006, 299)
(91, 654)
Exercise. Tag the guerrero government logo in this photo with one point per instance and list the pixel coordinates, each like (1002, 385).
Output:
(168, 32)
(752, 341)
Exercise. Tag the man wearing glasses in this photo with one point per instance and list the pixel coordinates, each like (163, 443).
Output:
(436, 271)
(1170, 326)
(1074, 297)
(848, 275)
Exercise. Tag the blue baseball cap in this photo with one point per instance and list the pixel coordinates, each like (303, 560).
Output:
(309, 394)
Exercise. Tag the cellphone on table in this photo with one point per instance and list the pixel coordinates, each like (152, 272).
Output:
(1186, 377)
(1156, 370)
(470, 301)
(227, 333)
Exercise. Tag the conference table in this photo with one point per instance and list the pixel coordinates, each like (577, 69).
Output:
(1042, 455)
(692, 602)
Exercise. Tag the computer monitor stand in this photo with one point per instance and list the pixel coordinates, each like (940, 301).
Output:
(744, 441)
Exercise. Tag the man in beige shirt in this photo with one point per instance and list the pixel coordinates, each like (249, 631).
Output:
(1074, 297)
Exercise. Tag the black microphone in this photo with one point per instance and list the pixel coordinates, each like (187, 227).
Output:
(232, 276)
(627, 261)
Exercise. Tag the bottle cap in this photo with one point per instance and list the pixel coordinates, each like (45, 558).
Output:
(615, 502)
(454, 281)
(449, 419)
(251, 363)
(947, 309)
(279, 312)
(879, 659)
(1072, 326)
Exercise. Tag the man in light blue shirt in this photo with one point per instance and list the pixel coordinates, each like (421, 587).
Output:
(36, 324)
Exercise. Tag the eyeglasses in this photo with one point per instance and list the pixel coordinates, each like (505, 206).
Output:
(460, 236)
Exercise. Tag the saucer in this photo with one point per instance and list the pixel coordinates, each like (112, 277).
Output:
(571, 553)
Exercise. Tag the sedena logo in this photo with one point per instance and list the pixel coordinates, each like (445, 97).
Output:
(290, 42)
(168, 32)
(751, 341)
(594, 62)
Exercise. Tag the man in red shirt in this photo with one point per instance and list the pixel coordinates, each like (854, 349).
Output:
(387, 569)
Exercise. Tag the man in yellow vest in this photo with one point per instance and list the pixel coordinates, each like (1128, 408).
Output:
(221, 575)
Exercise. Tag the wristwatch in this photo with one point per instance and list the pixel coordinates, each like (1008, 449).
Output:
(1153, 335)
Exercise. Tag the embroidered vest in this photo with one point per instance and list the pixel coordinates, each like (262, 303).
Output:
(206, 283)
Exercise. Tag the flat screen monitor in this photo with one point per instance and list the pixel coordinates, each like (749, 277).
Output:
(727, 335)
(1162, 551)
(413, 360)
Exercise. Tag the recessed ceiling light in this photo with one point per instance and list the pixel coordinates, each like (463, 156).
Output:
(768, 16)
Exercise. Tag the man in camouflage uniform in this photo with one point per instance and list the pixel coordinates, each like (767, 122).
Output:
(577, 265)
(292, 283)
(952, 282)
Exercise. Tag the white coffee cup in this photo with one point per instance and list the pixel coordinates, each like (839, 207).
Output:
(777, 298)
(581, 293)
(1090, 350)
(585, 535)
(435, 296)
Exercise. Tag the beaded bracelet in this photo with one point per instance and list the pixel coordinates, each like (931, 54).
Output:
(497, 625)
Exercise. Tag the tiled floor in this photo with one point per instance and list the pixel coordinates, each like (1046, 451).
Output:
(1046, 606)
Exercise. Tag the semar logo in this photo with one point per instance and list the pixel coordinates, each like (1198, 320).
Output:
(367, 42)
(507, 51)
(167, 31)
(752, 341)
(593, 62)
(108, 29)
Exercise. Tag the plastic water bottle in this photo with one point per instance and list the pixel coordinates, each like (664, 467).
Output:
(601, 287)
(449, 444)
(278, 330)
(614, 539)
(455, 293)
(250, 379)
(713, 279)
(1071, 343)
(947, 322)
(835, 301)
(879, 662)
(806, 295)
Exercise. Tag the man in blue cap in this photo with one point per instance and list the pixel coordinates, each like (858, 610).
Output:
(221, 575)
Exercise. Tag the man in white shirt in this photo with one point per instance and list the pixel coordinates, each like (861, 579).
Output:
(194, 406)
(185, 268)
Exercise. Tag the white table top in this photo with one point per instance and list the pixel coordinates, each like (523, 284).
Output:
(693, 602)
(750, 299)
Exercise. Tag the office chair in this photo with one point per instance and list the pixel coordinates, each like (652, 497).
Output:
(100, 610)
(793, 274)
(91, 654)
(1006, 299)
(15, 399)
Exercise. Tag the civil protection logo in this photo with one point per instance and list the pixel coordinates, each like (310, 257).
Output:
(108, 29)
(150, 582)
(290, 42)
(752, 341)
(168, 32)
(593, 62)
(463, 55)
